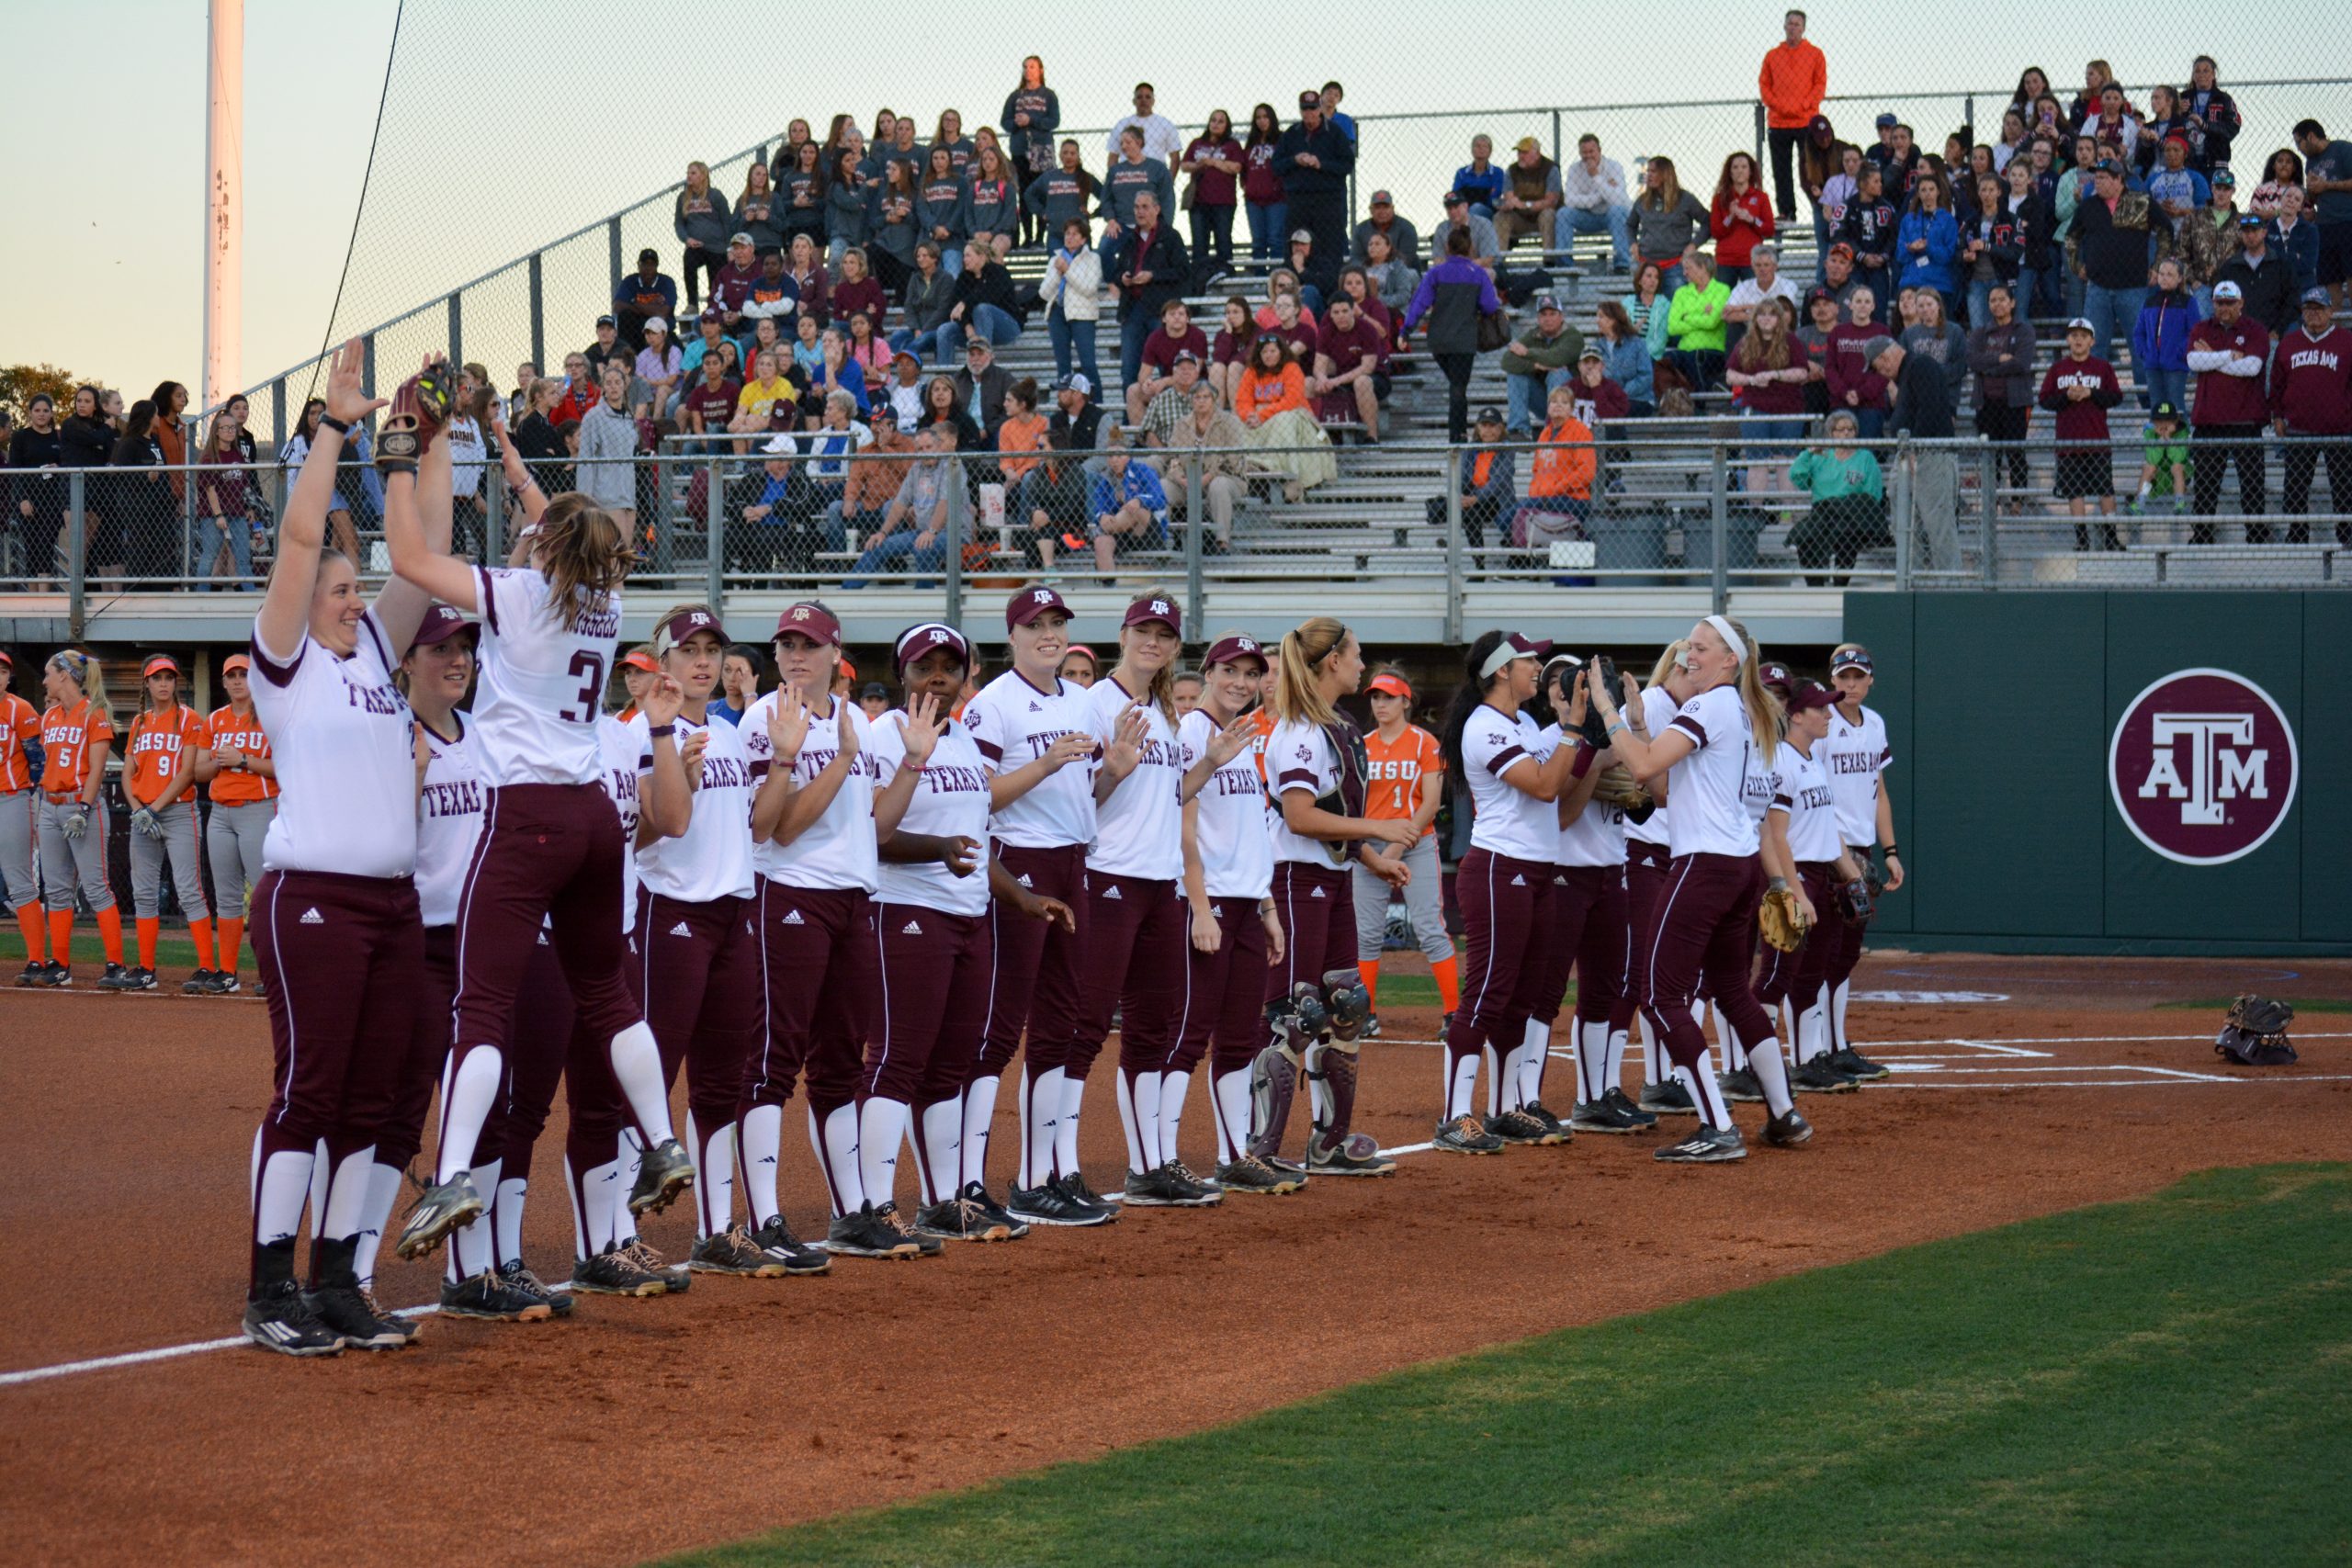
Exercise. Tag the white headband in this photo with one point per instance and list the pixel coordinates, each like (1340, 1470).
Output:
(1731, 638)
(1503, 653)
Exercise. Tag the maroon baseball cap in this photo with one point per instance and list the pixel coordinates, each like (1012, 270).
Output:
(1030, 603)
(1811, 694)
(440, 624)
(691, 621)
(1233, 650)
(1776, 677)
(1155, 607)
(916, 641)
(812, 621)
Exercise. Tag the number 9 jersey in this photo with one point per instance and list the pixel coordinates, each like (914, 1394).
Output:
(542, 682)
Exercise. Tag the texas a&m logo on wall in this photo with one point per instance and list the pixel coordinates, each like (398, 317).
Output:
(2202, 766)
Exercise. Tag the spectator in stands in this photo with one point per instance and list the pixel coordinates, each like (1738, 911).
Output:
(1315, 159)
(848, 216)
(1159, 137)
(1490, 492)
(1793, 81)
(1174, 336)
(1149, 266)
(1539, 358)
(757, 212)
(1229, 354)
(807, 270)
(1821, 163)
(1020, 435)
(1391, 278)
(1127, 505)
(1626, 356)
(1927, 241)
(1485, 246)
(1923, 411)
(1454, 295)
(1318, 274)
(2164, 471)
(941, 212)
(765, 395)
(2311, 405)
(2327, 180)
(2284, 169)
(1768, 374)
(1076, 416)
(1871, 230)
(892, 235)
(1695, 321)
(1739, 219)
(733, 285)
(170, 398)
(1130, 175)
(1835, 194)
(537, 442)
(2033, 224)
(2113, 122)
(929, 295)
(1404, 240)
(2176, 190)
(1479, 179)
(944, 406)
(1989, 249)
(1209, 438)
(1071, 291)
(1765, 280)
(1848, 495)
(801, 207)
(2266, 279)
(2230, 354)
(707, 407)
(761, 506)
(1214, 161)
(224, 489)
(899, 145)
(136, 496)
(984, 303)
(2215, 112)
(2208, 240)
(608, 449)
(1263, 192)
(1668, 220)
(915, 524)
(2001, 351)
(580, 392)
(1270, 403)
(992, 199)
(703, 225)
(1032, 113)
(1593, 200)
(2296, 239)
(870, 485)
(1062, 193)
(1599, 401)
(1816, 333)
(1559, 479)
(2110, 241)
(1531, 195)
(1650, 306)
(2160, 338)
(1838, 275)
(981, 387)
(1356, 285)
(1351, 379)
(1333, 95)
(660, 366)
(1296, 326)
(856, 289)
(708, 334)
(2079, 388)
(1051, 504)
(948, 137)
(641, 295)
(1934, 335)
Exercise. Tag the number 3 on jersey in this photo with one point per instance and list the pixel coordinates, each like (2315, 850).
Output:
(590, 668)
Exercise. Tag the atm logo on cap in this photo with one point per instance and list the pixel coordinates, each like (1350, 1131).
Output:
(2203, 766)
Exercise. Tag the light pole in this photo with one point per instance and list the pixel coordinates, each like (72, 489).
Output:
(224, 198)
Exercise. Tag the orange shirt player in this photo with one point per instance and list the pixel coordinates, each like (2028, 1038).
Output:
(20, 763)
(167, 753)
(245, 794)
(76, 737)
(1407, 764)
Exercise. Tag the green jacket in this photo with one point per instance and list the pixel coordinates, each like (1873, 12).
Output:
(1826, 476)
(1545, 353)
(1696, 319)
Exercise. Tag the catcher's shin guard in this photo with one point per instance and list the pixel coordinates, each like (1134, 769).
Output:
(1331, 1070)
(1350, 1005)
(1273, 1079)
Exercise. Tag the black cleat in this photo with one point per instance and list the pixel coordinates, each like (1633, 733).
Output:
(925, 1246)
(117, 979)
(1049, 1205)
(677, 1277)
(1074, 1186)
(668, 1170)
(1603, 1115)
(1786, 1132)
(866, 1234)
(224, 984)
(34, 974)
(1817, 1076)
(996, 1213)
(1165, 1188)
(615, 1273)
(1552, 1123)
(199, 984)
(1343, 1160)
(1518, 1126)
(1463, 1135)
(351, 1312)
(442, 1208)
(731, 1251)
(58, 975)
(775, 1239)
(282, 1319)
(1616, 1097)
(522, 1279)
(487, 1296)
(1854, 1064)
(1740, 1086)
(1707, 1145)
(1668, 1099)
(1251, 1175)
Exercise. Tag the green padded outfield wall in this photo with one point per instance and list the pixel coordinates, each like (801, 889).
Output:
(2130, 772)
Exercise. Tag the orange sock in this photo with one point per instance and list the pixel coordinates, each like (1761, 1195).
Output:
(202, 932)
(28, 922)
(60, 936)
(232, 937)
(1369, 969)
(150, 926)
(1448, 986)
(110, 932)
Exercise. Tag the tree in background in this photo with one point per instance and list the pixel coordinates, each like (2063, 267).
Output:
(20, 383)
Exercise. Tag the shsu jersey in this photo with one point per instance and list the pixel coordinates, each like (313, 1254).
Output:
(161, 748)
(542, 684)
(233, 732)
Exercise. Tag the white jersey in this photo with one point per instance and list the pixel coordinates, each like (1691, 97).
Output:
(341, 736)
(1854, 755)
(1014, 722)
(1598, 835)
(1800, 791)
(542, 684)
(951, 800)
(1709, 787)
(1299, 758)
(449, 821)
(837, 850)
(1507, 821)
(712, 859)
(1230, 827)
(619, 749)
(1140, 830)
(1657, 712)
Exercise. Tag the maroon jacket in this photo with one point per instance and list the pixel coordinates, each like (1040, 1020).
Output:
(1846, 370)
(2085, 421)
(2310, 382)
(2223, 398)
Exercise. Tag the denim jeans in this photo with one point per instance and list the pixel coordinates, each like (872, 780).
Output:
(925, 345)
(1980, 300)
(211, 532)
(895, 551)
(1067, 336)
(1268, 237)
(999, 327)
(1137, 326)
(1613, 221)
(1524, 402)
(2166, 386)
(951, 257)
(2113, 313)
(1213, 234)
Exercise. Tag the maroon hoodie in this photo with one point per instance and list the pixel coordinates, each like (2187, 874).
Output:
(2310, 382)
(2223, 398)
(2084, 419)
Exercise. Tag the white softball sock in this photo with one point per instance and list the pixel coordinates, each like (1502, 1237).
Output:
(939, 1149)
(1065, 1154)
(762, 1143)
(1230, 1096)
(1138, 1096)
(1041, 1114)
(637, 1064)
(631, 1160)
(1700, 1085)
(347, 1187)
(280, 1192)
(1535, 1057)
(594, 1194)
(979, 1117)
(1172, 1089)
(1839, 1039)
(836, 1145)
(1655, 1069)
(383, 1191)
(881, 1128)
(1772, 1074)
(473, 1092)
(1465, 1082)
(1614, 1075)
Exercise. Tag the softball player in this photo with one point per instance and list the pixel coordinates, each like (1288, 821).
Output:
(1031, 727)
(813, 825)
(334, 917)
(244, 788)
(1135, 916)
(1316, 1004)
(1515, 783)
(1803, 852)
(1858, 757)
(931, 944)
(1706, 917)
(167, 755)
(1647, 854)
(22, 761)
(76, 737)
(550, 845)
(1406, 780)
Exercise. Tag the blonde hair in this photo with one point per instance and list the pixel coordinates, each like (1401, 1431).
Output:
(85, 671)
(1668, 662)
(584, 554)
(1161, 693)
(1299, 698)
(1764, 714)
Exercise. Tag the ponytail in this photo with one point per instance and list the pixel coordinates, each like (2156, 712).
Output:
(1298, 697)
(1765, 718)
(1466, 697)
(584, 554)
(1669, 663)
(88, 674)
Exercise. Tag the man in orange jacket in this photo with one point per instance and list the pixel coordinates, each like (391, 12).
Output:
(1794, 81)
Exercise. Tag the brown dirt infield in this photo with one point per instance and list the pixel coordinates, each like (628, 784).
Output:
(641, 1427)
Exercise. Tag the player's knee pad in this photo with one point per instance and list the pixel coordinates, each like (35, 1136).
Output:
(1349, 1005)
(1297, 1018)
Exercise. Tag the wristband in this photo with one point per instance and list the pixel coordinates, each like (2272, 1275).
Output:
(338, 426)
(660, 731)
(1620, 724)
(1894, 853)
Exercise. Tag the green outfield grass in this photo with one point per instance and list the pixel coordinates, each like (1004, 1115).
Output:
(174, 954)
(2221, 1005)
(2159, 1382)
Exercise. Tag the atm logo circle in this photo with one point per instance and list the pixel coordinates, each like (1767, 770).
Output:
(2202, 766)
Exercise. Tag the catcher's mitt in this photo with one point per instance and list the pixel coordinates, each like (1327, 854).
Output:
(1855, 901)
(419, 409)
(1782, 921)
(2254, 1033)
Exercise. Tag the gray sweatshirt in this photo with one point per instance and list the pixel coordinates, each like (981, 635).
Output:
(608, 433)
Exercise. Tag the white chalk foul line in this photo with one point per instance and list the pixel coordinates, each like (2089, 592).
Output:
(168, 1353)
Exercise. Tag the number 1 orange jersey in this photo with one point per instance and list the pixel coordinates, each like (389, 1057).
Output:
(227, 731)
(162, 747)
(1401, 770)
(67, 735)
(1261, 725)
(19, 722)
